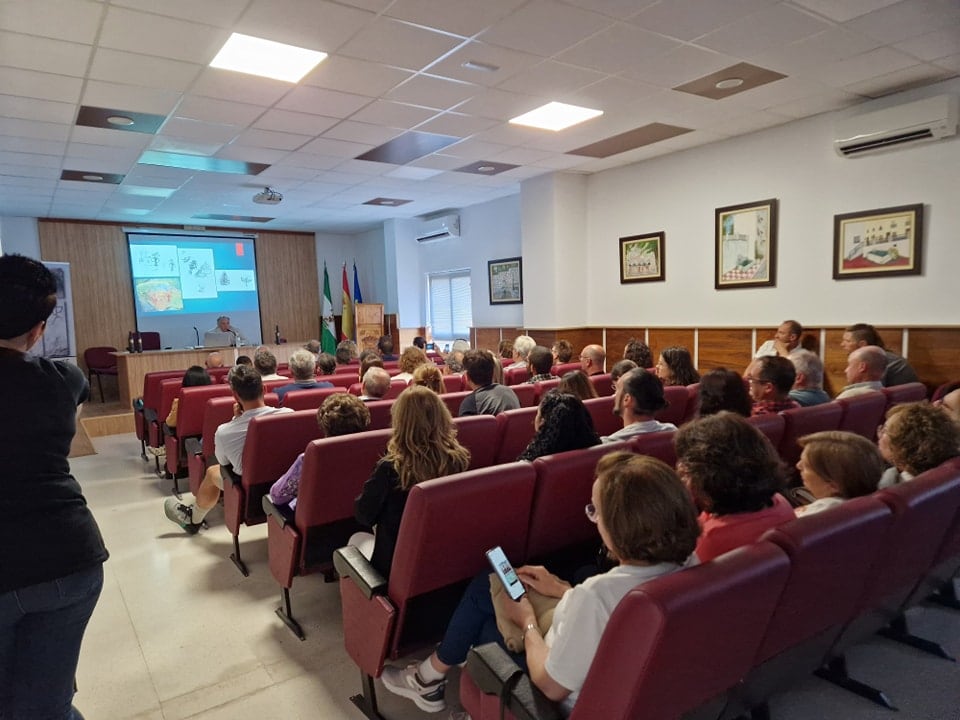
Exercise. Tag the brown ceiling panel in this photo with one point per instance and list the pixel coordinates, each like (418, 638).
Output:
(751, 76)
(638, 137)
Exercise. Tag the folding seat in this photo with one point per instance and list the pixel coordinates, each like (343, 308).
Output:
(544, 387)
(447, 526)
(659, 445)
(218, 374)
(273, 442)
(515, 376)
(479, 434)
(603, 384)
(910, 392)
(169, 390)
(693, 402)
(396, 387)
(379, 414)
(191, 403)
(147, 413)
(453, 383)
(526, 393)
(601, 410)
(453, 400)
(391, 365)
(302, 542)
(310, 399)
(673, 647)
(772, 425)
(803, 421)
(563, 368)
(342, 379)
(863, 413)
(676, 410)
(516, 432)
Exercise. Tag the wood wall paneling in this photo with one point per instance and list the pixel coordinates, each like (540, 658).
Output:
(617, 339)
(730, 348)
(661, 338)
(289, 285)
(935, 354)
(487, 338)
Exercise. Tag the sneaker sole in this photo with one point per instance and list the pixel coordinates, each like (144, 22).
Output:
(418, 699)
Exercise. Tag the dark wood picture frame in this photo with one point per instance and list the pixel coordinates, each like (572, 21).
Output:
(643, 258)
(878, 243)
(745, 245)
(505, 281)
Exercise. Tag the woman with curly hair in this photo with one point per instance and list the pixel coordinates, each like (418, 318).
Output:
(915, 438)
(723, 389)
(428, 376)
(411, 358)
(562, 424)
(423, 446)
(675, 367)
(836, 466)
(733, 473)
(639, 352)
(577, 383)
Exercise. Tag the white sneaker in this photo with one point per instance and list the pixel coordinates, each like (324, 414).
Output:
(407, 683)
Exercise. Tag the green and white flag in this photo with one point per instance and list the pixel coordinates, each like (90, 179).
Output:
(328, 335)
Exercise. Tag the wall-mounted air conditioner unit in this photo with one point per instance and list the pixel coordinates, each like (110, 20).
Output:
(934, 118)
(439, 228)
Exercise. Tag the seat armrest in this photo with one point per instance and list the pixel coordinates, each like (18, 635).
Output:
(193, 446)
(228, 475)
(282, 514)
(169, 431)
(349, 562)
(491, 669)
(150, 415)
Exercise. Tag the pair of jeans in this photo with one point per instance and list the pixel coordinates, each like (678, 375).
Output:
(41, 628)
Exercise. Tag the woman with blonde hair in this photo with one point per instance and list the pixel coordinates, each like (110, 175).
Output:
(428, 376)
(423, 446)
(411, 358)
(836, 466)
(915, 438)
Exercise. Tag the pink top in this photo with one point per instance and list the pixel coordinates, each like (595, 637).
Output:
(721, 533)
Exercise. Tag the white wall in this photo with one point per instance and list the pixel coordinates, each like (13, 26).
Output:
(367, 250)
(20, 235)
(796, 164)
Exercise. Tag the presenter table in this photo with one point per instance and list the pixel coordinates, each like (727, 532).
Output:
(131, 367)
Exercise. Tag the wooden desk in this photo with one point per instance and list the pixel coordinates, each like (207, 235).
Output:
(132, 367)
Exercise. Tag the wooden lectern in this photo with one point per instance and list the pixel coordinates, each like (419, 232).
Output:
(368, 320)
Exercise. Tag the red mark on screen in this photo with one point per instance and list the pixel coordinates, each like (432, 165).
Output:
(238, 248)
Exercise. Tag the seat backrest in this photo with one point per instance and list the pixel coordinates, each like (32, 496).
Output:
(516, 432)
(100, 358)
(693, 402)
(218, 374)
(526, 393)
(544, 387)
(563, 368)
(396, 387)
(676, 642)
(659, 445)
(150, 340)
(603, 384)
(193, 402)
(355, 389)
(772, 425)
(169, 390)
(452, 383)
(308, 399)
(216, 411)
(601, 410)
(910, 392)
(478, 434)
(151, 386)
(676, 410)
(379, 414)
(950, 549)
(803, 421)
(564, 482)
(515, 376)
(453, 400)
(341, 379)
(863, 413)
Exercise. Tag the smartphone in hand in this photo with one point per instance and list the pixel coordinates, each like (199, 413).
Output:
(504, 570)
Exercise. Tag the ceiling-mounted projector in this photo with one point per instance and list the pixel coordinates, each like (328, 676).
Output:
(269, 196)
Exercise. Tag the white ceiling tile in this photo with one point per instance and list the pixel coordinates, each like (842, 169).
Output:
(949, 63)
(461, 19)
(166, 143)
(514, 135)
(435, 92)
(198, 131)
(408, 172)
(23, 158)
(931, 46)
(679, 66)
(617, 48)
(316, 25)
(134, 69)
(43, 54)
(335, 148)
(355, 76)
(31, 145)
(776, 93)
(110, 137)
(130, 97)
(395, 43)
(609, 94)
(501, 105)
(273, 140)
(38, 85)
(224, 112)
(761, 30)
(843, 10)
(903, 79)
(825, 102)
(320, 101)
(830, 45)
(365, 167)
(392, 114)
(313, 162)
(438, 161)
(908, 19)
(229, 85)
(545, 28)
(27, 108)
(551, 79)
(520, 156)
(74, 20)
(507, 63)
(748, 122)
(32, 171)
(689, 19)
(864, 66)
(560, 161)
(472, 149)
(614, 8)
(457, 124)
(139, 32)
(220, 13)
(295, 122)
(362, 132)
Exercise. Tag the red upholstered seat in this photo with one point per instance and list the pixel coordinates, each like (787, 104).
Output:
(601, 410)
(479, 434)
(563, 368)
(544, 387)
(190, 408)
(100, 361)
(151, 401)
(863, 413)
(693, 402)
(910, 392)
(516, 432)
(342, 379)
(515, 376)
(772, 426)
(527, 394)
(659, 445)
(308, 399)
(150, 340)
(396, 387)
(453, 400)
(676, 410)
(803, 421)
(453, 383)
(169, 390)
(379, 414)
(603, 384)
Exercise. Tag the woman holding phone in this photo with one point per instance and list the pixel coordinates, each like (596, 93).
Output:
(649, 526)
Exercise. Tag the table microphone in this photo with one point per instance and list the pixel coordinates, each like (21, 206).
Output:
(197, 331)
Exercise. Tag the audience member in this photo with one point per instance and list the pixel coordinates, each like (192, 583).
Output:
(265, 363)
(429, 376)
(577, 383)
(836, 466)
(808, 387)
(195, 376)
(649, 527)
(385, 347)
(376, 384)
(639, 352)
(593, 360)
(522, 345)
(460, 345)
(675, 367)
(497, 367)
(734, 475)
(214, 360)
(864, 370)
(771, 379)
(244, 360)
(562, 351)
(505, 350)
(638, 396)
(915, 438)
(619, 368)
(410, 360)
(422, 446)
(723, 389)
(340, 414)
(950, 404)
(346, 352)
(539, 364)
(51, 550)
(453, 363)
(562, 423)
(420, 342)
(371, 360)
(897, 370)
(247, 387)
(784, 342)
(313, 346)
(488, 397)
(303, 367)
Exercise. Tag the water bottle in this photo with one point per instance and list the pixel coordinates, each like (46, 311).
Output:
(276, 334)
(139, 343)
(131, 347)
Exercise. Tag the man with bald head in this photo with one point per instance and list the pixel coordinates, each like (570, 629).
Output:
(214, 360)
(865, 367)
(593, 359)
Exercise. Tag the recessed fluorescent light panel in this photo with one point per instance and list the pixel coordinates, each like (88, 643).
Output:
(556, 116)
(256, 56)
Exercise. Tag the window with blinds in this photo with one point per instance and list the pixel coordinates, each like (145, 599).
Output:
(450, 305)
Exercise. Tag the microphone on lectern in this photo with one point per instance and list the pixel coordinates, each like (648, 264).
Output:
(197, 331)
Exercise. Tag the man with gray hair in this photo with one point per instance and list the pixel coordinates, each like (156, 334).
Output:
(865, 367)
(303, 367)
(376, 383)
(346, 352)
(808, 387)
(521, 349)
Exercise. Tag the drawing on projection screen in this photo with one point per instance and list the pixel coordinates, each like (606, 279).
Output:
(642, 258)
(878, 243)
(506, 281)
(746, 245)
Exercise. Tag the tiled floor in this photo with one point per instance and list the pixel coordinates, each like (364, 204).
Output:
(179, 633)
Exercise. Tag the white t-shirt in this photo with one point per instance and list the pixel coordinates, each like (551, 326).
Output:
(232, 435)
(818, 506)
(580, 618)
(769, 349)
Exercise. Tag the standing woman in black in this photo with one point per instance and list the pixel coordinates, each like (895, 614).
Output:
(51, 552)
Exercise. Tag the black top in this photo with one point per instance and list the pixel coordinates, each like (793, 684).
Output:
(47, 530)
(381, 503)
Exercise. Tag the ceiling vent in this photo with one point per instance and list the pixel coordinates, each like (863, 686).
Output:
(439, 228)
(934, 118)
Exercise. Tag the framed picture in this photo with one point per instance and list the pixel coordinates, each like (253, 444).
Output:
(506, 281)
(875, 243)
(746, 245)
(642, 258)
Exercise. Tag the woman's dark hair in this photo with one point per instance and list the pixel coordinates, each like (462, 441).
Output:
(680, 364)
(565, 424)
(564, 351)
(577, 383)
(28, 294)
(639, 352)
(196, 376)
(723, 389)
(730, 465)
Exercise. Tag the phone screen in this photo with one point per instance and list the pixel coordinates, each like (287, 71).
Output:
(506, 573)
